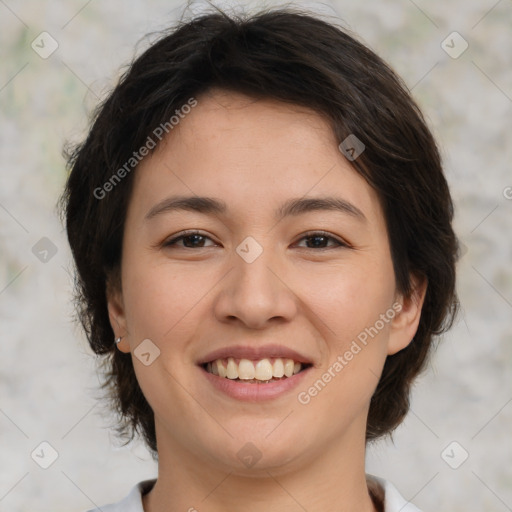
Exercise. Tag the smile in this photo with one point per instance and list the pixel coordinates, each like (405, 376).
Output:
(251, 380)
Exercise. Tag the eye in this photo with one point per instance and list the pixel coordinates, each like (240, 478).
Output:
(319, 238)
(191, 239)
(195, 239)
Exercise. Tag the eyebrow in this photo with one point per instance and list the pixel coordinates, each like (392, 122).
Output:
(292, 207)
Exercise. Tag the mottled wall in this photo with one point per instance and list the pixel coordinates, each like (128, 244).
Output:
(48, 385)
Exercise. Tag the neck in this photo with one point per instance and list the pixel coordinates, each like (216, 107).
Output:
(333, 481)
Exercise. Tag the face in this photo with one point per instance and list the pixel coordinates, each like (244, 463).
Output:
(288, 260)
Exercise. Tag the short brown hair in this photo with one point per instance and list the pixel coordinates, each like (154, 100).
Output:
(295, 57)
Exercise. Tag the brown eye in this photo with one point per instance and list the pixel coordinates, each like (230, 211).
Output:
(320, 239)
(190, 240)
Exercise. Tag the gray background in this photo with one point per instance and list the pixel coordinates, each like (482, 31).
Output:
(48, 385)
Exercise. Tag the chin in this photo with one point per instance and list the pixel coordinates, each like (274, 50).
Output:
(256, 450)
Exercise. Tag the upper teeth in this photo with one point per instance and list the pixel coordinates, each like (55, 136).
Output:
(263, 369)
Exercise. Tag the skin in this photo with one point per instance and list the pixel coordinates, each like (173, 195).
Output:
(254, 155)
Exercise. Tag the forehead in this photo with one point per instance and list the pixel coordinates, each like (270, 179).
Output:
(254, 154)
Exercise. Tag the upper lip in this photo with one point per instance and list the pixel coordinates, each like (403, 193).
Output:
(254, 353)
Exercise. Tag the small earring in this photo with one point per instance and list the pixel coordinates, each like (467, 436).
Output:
(118, 340)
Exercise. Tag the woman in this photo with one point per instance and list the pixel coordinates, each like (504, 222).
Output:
(262, 234)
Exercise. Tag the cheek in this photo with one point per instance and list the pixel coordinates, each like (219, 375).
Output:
(350, 299)
(162, 301)
(162, 304)
(356, 305)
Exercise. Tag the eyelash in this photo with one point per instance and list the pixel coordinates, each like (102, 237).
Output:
(311, 234)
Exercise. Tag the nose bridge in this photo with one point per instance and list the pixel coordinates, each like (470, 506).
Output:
(253, 261)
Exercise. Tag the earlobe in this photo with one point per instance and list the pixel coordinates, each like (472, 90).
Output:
(406, 321)
(117, 316)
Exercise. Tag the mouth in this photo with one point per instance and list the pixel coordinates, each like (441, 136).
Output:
(255, 371)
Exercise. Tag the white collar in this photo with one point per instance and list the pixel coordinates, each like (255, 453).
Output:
(393, 501)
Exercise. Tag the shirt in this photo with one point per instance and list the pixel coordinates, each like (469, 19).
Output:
(393, 501)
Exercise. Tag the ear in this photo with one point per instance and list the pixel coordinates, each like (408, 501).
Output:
(406, 321)
(116, 312)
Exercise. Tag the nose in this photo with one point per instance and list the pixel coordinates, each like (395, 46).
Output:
(256, 293)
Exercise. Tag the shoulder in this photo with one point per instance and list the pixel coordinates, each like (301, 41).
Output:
(393, 500)
(130, 503)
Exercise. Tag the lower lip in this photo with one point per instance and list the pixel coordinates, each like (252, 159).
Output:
(255, 392)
